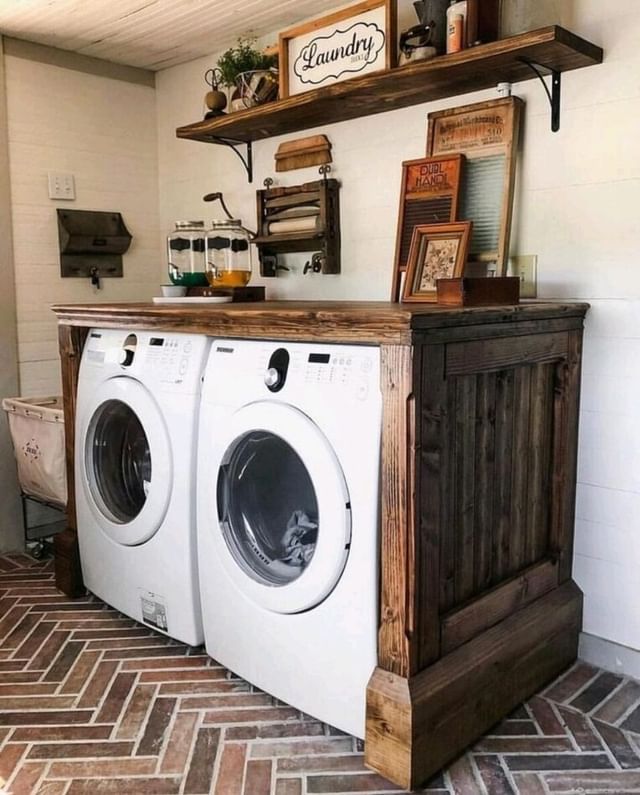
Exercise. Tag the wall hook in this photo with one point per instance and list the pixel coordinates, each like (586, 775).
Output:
(94, 275)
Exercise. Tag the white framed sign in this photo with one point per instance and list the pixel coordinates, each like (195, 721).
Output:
(349, 43)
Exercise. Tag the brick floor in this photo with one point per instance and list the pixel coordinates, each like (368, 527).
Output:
(91, 702)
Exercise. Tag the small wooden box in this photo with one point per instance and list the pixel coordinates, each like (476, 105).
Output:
(479, 291)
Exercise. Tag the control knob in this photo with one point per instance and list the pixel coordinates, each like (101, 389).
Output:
(125, 357)
(272, 377)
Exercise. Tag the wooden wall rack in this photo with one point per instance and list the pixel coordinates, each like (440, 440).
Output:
(550, 50)
(321, 195)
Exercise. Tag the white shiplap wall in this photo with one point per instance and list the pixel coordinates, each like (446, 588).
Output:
(577, 205)
(104, 132)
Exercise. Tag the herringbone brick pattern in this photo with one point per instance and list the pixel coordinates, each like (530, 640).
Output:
(91, 702)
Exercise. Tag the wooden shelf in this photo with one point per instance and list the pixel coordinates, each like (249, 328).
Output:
(553, 48)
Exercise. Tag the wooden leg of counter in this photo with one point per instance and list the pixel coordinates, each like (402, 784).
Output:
(416, 726)
(67, 557)
(67, 564)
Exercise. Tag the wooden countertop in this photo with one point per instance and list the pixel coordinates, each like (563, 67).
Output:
(329, 321)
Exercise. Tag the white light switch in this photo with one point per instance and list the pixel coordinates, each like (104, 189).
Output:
(61, 186)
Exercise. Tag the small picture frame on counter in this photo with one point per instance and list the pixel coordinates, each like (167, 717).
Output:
(438, 251)
(348, 43)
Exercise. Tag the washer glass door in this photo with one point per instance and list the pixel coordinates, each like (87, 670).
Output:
(283, 508)
(121, 460)
(127, 474)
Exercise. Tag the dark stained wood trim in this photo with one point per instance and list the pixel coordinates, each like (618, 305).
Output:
(565, 454)
(472, 357)
(432, 505)
(423, 81)
(464, 623)
(415, 728)
(397, 499)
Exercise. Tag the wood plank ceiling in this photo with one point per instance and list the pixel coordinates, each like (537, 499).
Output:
(153, 34)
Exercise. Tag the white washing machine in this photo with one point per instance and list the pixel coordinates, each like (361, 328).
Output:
(135, 455)
(288, 474)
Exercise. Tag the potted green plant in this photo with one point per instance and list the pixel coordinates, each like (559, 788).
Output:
(251, 73)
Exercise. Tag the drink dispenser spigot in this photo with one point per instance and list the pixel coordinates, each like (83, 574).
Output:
(228, 250)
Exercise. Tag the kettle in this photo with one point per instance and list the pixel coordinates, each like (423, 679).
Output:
(415, 44)
(429, 37)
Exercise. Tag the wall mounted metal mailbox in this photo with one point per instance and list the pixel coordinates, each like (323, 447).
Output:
(91, 244)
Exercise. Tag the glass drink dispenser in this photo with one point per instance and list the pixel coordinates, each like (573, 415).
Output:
(228, 254)
(186, 254)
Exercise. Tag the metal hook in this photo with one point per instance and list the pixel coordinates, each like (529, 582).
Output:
(324, 170)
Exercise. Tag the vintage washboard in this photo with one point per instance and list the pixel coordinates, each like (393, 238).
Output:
(487, 134)
(429, 194)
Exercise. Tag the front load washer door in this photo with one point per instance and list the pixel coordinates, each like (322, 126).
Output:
(283, 508)
(127, 461)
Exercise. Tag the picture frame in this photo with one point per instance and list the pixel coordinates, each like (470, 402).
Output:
(429, 194)
(352, 42)
(438, 251)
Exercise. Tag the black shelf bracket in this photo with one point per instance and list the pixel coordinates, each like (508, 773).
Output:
(554, 94)
(247, 160)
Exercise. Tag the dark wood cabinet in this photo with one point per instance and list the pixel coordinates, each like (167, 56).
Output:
(477, 606)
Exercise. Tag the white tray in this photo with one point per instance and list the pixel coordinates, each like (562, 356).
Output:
(193, 299)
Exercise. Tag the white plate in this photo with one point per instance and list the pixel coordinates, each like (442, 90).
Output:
(193, 299)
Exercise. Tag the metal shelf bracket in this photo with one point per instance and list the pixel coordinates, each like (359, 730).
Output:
(247, 160)
(554, 94)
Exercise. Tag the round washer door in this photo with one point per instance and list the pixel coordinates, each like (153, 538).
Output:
(283, 508)
(127, 468)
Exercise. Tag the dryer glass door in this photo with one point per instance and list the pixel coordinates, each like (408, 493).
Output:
(283, 508)
(270, 508)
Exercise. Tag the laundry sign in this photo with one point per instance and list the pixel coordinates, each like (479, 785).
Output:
(352, 42)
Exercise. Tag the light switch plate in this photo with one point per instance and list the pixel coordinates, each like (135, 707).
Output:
(61, 186)
(525, 267)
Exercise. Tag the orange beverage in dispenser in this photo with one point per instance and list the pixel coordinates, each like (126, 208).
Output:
(229, 278)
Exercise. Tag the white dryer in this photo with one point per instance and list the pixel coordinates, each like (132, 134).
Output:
(135, 455)
(288, 474)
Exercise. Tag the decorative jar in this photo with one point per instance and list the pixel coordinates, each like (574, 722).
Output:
(228, 254)
(186, 254)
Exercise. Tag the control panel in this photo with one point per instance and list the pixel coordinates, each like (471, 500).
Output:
(170, 360)
(168, 357)
(349, 369)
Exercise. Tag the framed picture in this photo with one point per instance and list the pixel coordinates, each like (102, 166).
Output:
(348, 43)
(438, 251)
(429, 194)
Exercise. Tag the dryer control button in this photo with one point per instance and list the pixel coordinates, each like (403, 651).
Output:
(271, 377)
(362, 391)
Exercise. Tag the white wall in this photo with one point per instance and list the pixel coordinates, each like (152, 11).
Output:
(10, 531)
(577, 208)
(103, 131)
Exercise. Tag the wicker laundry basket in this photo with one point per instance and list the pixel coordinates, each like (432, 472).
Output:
(37, 432)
